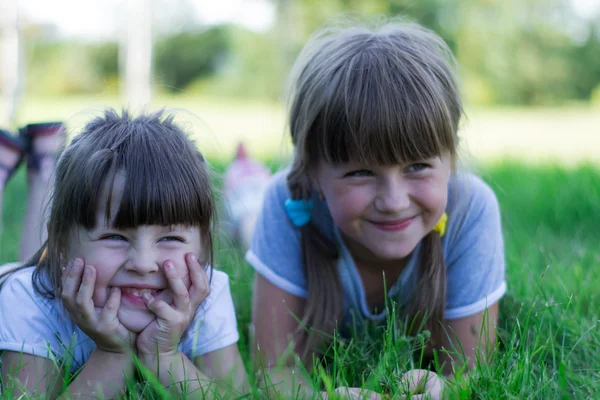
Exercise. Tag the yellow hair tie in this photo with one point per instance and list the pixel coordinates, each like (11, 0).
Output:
(440, 227)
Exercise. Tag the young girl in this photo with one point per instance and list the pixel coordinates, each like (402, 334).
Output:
(123, 271)
(373, 202)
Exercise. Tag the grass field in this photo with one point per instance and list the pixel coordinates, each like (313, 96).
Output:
(549, 332)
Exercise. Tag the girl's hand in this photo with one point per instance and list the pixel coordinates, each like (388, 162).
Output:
(161, 337)
(100, 324)
(352, 393)
(423, 384)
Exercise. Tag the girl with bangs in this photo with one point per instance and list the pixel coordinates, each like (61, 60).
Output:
(126, 269)
(373, 208)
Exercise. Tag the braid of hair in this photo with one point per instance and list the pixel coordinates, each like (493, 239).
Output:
(427, 308)
(324, 305)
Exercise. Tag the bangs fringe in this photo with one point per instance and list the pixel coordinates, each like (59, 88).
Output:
(166, 180)
(378, 115)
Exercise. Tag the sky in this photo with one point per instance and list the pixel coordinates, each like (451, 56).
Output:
(97, 19)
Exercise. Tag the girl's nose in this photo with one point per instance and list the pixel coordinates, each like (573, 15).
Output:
(392, 196)
(142, 261)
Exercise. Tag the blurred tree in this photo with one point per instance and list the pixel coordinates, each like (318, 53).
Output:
(509, 51)
(105, 58)
(182, 58)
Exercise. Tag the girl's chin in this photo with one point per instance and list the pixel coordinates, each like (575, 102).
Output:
(135, 320)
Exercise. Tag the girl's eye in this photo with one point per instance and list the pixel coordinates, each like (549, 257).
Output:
(361, 173)
(114, 237)
(172, 239)
(417, 167)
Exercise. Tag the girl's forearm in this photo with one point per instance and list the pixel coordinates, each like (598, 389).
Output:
(289, 382)
(103, 375)
(180, 375)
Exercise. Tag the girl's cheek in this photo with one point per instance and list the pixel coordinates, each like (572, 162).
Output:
(99, 297)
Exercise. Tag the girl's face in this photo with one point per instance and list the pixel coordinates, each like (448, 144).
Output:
(133, 261)
(383, 211)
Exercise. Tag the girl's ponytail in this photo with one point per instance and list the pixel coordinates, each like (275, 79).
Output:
(324, 304)
(427, 308)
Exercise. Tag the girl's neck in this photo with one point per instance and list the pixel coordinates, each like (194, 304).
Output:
(377, 275)
(364, 259)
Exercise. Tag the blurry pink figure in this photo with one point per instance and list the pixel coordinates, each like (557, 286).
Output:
(246, 181)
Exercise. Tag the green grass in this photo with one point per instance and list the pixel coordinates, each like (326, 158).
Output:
(549, 334)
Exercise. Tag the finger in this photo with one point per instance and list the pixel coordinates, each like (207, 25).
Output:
(357, 393)
(200, 288)
(181, 296)
(66, 270)
(420, 381)
(434, 387)
(72, 281)
(160, 308)
(84, 302)
(111, 308)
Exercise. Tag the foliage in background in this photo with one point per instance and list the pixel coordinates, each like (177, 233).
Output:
(520, 52)
(181, 58)
(71, 67)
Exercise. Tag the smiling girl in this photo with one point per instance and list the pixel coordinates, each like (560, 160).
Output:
(373, 204)
(126, 269)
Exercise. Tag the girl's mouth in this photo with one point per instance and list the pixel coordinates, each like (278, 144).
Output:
(394, 226)
(134, 295)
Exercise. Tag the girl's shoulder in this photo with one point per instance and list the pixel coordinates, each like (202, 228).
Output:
(35, 324)
(473, 211)
(19, 281)
(219, 286)
(278, 188)
(18, 291)
(468, 197)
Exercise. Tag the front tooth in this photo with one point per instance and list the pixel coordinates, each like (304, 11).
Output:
(136, 293)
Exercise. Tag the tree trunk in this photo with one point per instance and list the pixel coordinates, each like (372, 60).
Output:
(137, 53)
(11, 59)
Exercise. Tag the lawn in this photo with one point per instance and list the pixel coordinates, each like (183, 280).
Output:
(549, 343)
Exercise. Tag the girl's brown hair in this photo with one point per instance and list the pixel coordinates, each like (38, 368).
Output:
(167, 182)
(384, 95)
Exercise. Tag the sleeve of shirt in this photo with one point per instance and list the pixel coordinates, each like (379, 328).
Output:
(214, 326)
(474, 253)
(275, 250)
(27, 323)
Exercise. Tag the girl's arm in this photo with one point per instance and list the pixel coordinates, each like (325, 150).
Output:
(29, 375)
(469, 339)
(33, 376)
(225, 365)
(221, 371)
(274, 313)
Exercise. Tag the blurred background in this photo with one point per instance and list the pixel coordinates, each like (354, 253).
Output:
(530, 69)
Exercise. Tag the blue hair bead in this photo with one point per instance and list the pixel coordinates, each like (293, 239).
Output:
(299, 211)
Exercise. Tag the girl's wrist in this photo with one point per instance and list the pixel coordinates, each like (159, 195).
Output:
(125, 360)
(114, 354)
(154, 360)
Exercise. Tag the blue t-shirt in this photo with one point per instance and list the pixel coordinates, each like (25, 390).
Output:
(473, 250)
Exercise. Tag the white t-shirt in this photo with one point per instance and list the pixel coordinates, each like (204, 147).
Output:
(32, 324)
